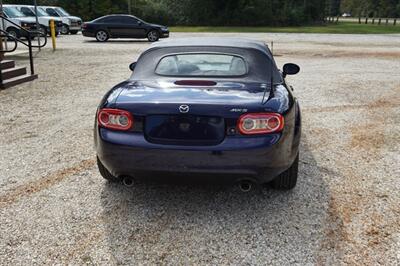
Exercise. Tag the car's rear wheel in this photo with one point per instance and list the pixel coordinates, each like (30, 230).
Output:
(105, 173)
(73, 32)
(65, 29)
(153, 36)
(13, 32)
(102, 36)
(288, 179)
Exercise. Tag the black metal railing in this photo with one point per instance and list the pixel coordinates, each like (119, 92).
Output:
(29, 36)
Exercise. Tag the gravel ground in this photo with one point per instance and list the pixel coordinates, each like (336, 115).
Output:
(55, 208)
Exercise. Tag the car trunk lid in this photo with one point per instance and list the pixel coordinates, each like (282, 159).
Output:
(189, 112)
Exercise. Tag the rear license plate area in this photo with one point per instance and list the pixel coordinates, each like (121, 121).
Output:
(184, 129)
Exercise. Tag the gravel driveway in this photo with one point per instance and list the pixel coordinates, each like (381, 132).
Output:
(55, 208)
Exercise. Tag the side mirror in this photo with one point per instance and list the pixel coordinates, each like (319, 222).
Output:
(132, 66)
(290, 69)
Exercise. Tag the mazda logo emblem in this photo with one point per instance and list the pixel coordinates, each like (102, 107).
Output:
(184, 109)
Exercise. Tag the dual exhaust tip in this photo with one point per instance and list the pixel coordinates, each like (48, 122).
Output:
(244, 185)
(128, 181)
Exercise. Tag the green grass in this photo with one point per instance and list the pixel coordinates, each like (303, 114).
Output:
(341, 27)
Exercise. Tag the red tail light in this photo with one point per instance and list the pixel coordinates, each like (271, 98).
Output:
(115, 119)
(260, 123)
(84, 26)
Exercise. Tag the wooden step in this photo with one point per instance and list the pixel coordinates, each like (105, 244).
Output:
(5, 64)
(13, 72)
(7, 83)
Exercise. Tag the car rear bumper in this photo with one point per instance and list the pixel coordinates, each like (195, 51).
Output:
(88, 33)
(258, 158)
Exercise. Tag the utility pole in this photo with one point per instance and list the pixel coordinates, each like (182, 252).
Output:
(129, 7)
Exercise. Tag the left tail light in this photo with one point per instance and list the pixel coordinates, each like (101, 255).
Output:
(260, 123)
(115, 119)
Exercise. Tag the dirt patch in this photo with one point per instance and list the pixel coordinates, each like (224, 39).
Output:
(356, 229)
(336, 235)
(349, 107)
(368, 137)
(43, 183)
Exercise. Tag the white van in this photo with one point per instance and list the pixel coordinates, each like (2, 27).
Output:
(71, 24)
(18, 18)
(43, 17)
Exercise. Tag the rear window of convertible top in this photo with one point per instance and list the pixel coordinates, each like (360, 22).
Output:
(201, 65)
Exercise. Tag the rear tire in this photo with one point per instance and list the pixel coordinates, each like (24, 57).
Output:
(288, 179)
(105, 173)
(65, 29)
(153, 36)
(102, 36)
(13, 32)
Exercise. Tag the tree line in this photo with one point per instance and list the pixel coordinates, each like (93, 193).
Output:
(225, 12)
(199, 12)
(365, 8)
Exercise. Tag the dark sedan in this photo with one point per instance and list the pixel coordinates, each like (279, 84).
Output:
(202, 106)
(123, 26)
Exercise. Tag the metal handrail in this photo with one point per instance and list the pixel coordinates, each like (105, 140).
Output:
(29, 44)
(7, 36)
(15, 39)
(30, 34)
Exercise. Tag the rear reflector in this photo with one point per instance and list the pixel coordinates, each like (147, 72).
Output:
(196, 82)
(260, 123)
(115, 119)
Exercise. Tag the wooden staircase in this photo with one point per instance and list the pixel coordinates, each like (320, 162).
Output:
(12, 75)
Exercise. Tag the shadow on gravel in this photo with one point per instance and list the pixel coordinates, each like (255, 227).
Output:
(193, 224)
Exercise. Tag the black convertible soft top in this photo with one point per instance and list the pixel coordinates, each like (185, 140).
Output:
(256, 53)
(213, 42)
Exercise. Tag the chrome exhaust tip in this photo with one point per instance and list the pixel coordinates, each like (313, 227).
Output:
(128, 181)
(245, 186)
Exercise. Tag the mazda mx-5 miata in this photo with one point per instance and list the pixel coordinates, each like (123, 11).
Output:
(202, 106)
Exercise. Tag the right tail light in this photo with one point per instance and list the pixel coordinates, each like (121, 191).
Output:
(260, 123)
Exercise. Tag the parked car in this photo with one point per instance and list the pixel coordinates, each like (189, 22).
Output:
(202, 106)
(18, 18)
(71, 24)
(43, 17)
(123, 26)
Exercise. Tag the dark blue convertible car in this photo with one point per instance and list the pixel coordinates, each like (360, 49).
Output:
(202, 106)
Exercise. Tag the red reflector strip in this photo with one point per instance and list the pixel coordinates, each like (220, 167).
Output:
(260, 123)
(196, 82)
(115, 119)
